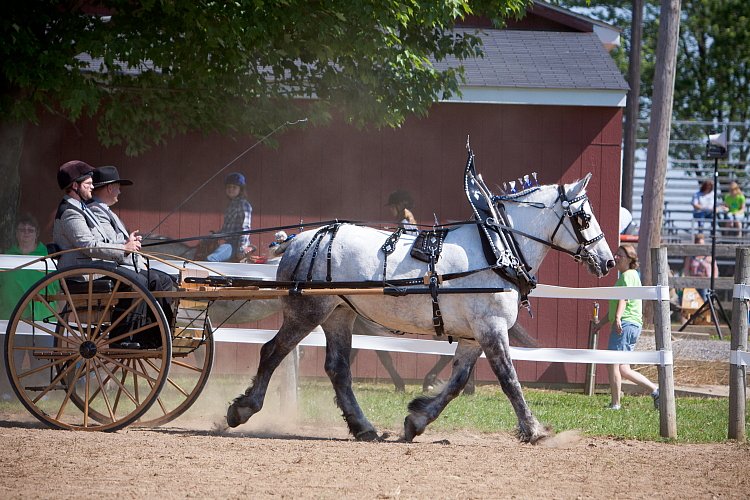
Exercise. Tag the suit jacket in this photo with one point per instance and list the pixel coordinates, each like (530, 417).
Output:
(115, 230)
(76, 229)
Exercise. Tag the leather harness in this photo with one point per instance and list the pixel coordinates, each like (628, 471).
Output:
(498, 242)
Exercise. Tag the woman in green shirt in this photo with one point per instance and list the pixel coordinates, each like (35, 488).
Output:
(626, 316)
(13, 284)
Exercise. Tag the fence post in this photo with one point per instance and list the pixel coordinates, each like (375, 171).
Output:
(288, 379)
(737, 381)
(590, 383)
(663, 338)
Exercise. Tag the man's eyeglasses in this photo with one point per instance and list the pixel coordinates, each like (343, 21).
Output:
(26, 230)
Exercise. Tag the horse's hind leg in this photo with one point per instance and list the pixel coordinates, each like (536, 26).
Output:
(431, 378)
(338, 330)
(497, 350)
(387, 361)
(426, 409)
(365, 327)
(301, 315)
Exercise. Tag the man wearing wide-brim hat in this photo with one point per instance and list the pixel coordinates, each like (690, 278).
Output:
(106, 193)
(76, 226)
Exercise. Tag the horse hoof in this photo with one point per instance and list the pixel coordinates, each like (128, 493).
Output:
(367, 436)
(410, 430)
(233, 417)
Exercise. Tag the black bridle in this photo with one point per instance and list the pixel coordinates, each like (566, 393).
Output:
(580, 220)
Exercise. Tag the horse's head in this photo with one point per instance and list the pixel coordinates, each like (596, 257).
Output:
(578, 231)
(560, 217)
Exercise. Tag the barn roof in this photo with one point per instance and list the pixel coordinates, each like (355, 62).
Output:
(550, 57)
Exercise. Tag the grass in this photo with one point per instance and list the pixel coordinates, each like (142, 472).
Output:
(699, 420)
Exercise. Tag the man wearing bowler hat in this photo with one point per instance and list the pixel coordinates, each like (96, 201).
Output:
(76, 226)
(106, 192)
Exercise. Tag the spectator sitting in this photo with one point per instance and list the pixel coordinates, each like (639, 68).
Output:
(703, 203)
(734, 202)
(700, 266)
(14, 284)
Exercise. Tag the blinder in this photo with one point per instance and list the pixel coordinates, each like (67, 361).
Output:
(580, 220)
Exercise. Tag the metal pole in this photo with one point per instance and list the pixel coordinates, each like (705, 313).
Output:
(737, 379)
(713, 231)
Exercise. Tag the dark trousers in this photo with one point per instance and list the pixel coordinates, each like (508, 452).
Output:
(153, 280)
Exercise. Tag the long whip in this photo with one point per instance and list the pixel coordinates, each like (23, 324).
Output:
(262, 139)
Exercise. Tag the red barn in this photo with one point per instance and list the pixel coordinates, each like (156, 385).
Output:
(547, 97)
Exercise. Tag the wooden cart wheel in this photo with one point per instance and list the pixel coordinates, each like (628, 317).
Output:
(193, 350)
(80, 373)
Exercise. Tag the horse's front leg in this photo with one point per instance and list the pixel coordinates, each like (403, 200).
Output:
(338, 330)
(497, 350)
(426, 409)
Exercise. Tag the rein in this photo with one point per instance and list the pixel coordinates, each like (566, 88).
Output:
(216, 236)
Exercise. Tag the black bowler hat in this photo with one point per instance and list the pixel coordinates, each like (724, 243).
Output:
(109, 175)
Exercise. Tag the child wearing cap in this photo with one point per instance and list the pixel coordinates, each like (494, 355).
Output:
(237, 218)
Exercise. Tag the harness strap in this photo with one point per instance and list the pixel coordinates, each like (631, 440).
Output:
(315, 239)
(434, 284)
(389, 247)
(334, 231)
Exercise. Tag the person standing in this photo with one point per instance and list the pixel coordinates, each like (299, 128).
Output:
(626, 317)
(237, 218)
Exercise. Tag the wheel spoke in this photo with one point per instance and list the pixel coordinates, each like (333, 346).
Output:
(101, 389)
(57, 379)
(98, 333)
(70, 390)
(119, 320)
(121, 384)
(73, 308)
(158, 399)
(182, 364)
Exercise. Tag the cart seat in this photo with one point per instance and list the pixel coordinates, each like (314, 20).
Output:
(101, 285)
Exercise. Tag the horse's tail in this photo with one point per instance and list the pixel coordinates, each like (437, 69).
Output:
(521, 337)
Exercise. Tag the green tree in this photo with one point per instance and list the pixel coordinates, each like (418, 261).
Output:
(150, 69)
(713, 64)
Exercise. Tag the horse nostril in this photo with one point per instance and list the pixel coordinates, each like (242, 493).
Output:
(610, 264)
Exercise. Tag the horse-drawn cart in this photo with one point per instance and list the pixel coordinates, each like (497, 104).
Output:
(104, 355)
(73, 364)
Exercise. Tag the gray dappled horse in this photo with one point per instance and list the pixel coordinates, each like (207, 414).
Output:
(549, 216)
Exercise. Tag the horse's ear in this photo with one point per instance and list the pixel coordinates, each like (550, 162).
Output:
(586, 180)
(579, 186)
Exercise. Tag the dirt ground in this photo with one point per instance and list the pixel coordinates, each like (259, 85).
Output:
(273, 457)
(192, 458)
